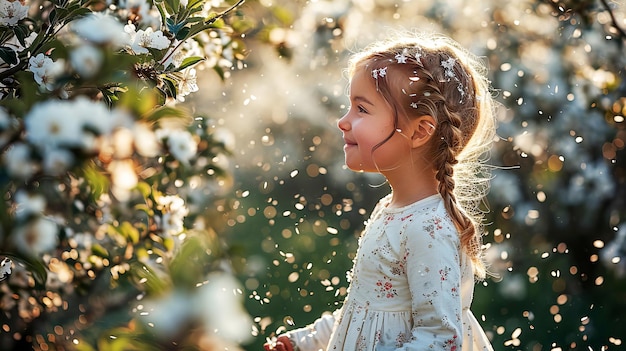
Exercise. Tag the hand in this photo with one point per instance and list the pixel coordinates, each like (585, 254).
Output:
(282, 343)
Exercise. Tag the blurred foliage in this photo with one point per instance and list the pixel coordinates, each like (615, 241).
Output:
(110, 187)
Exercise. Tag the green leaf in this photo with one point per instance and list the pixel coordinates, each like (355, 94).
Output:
(219, 71)
(172, 6)
(189, 61)
(52, 16)
(162, 12)
(197, 28)
(169, 112)
(128, 231)
(148, 279)
(195, 3)
(145, 189)
(170, 86)
(182, 33)
(79, 13)
(98, 182)
(188, 266)
(99, 251)
(8, 55)
(21, 31)
(195, 20)
(174, 27)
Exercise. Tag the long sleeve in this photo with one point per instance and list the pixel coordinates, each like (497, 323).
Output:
(434, 278)
(315, 336)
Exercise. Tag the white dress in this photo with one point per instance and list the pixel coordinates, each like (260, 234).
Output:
(411, 288)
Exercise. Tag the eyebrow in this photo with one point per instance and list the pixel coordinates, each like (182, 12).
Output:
(363, 99)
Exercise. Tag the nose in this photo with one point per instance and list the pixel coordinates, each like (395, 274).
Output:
(343, 123)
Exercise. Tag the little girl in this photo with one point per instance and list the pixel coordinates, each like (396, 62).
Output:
(421, 115)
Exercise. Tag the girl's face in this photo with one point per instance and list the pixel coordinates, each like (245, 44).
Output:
(368, 122)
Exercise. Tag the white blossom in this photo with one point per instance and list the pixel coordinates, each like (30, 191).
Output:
(75, 123)
(37, 236)
(37, 62)
(227, 319)
(98, 118)
(166, 314)
(27, 204)
(57, 161)
(188, 83)
(141, 40)
(54, 123)
(18, 161)
(123, 177)
(45, 70)
(12, 12)
(180, 143)
(86, 60)
(187, 49)
(100, 28)
(145, 141)
(173, 211)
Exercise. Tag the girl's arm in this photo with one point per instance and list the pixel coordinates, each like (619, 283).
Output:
(434, 274)
(315, 336)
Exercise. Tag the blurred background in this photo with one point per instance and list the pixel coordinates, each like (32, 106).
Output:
(206, 206)
(556, 235)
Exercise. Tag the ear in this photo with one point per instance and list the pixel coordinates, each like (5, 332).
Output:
(423, 129)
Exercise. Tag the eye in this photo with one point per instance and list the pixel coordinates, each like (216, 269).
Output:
(361, 109)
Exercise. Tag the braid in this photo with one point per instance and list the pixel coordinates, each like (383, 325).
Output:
(444, 164)
(449, 142)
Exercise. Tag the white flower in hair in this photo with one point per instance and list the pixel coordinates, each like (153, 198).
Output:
(401, 57)
(381, 72)
(448, 65)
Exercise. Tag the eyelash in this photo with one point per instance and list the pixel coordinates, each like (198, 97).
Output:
(361, 109)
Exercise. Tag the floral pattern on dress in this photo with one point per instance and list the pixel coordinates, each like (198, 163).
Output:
(385, 288)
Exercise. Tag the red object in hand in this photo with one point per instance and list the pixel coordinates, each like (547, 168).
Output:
(282, 344)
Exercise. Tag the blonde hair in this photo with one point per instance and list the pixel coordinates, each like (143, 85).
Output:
(429, 74)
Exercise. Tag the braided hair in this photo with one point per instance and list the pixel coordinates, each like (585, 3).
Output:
(433, 75)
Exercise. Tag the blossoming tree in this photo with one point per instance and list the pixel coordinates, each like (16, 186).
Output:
(103, 174)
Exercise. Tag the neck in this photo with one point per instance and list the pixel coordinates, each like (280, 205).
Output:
(410, 188)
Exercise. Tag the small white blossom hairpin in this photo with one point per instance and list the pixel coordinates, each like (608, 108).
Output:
(379, 72)
(448, 66)
(418, 55)
(401, 57)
